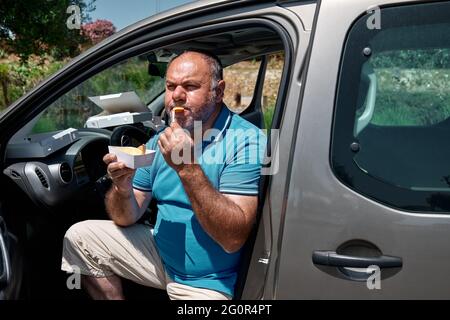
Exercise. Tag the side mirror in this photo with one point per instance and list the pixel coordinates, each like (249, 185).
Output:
(156, 68)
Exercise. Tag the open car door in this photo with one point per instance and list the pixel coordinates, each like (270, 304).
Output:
(5, 266)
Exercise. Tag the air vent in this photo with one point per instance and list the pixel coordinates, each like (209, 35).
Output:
(65, 172)
(15, 174)
(41, 177)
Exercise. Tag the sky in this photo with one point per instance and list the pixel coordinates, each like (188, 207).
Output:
(125, 12)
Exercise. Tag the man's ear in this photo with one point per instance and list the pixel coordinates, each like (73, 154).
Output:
(220, 90)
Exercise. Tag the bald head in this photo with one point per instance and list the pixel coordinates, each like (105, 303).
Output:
(213, 64)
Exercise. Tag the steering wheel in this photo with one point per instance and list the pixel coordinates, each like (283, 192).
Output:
(129, 136)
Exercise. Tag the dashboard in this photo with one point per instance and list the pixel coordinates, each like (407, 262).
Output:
(59, 176)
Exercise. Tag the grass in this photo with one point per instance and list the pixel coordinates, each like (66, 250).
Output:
(397, 108)
(412, 97)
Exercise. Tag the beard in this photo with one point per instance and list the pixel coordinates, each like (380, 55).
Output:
(195, 118)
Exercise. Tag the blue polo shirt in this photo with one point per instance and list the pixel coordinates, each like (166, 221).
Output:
(230, 156)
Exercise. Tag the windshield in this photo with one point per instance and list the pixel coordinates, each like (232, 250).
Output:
(72, 109)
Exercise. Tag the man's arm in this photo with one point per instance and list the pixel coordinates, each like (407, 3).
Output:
(124, 204)
(126, 209)
(228, 219)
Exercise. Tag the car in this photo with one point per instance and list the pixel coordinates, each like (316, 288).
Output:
(354, 199)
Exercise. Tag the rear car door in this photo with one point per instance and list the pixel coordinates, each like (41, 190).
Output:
(368, 211)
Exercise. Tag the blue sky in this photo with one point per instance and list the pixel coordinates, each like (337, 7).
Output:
(125, 12)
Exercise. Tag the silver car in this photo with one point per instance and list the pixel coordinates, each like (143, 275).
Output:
(355, 189)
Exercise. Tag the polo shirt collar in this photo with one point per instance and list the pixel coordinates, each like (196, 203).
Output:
(221, 123)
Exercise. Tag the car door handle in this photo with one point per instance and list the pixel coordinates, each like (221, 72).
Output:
(333, 259)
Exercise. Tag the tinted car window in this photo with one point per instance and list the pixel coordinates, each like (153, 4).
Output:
(392, 121)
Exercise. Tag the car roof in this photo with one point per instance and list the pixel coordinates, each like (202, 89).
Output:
(246, 43)
(195, 6)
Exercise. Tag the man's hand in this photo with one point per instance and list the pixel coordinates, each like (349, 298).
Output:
(124, 205)
(120, 175)
(177, 147)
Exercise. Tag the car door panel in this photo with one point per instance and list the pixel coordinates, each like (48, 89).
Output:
(5, 265)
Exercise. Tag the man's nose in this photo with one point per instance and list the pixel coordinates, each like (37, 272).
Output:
(179, 94)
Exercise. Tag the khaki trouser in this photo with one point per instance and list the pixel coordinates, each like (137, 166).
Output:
(100, 248)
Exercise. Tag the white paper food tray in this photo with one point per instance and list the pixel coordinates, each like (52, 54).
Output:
(133, 161)
(120, 102)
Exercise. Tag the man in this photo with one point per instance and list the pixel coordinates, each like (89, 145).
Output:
(206, 193)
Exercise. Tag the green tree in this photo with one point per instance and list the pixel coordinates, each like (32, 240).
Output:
(39, 26)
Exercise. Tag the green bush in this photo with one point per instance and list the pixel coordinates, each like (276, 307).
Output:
(399, 108)
(410, 59)
(21, 77)
(268, 116)
(413, 87)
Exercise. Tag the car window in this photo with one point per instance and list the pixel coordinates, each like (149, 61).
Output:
(271, 86)
(412, 87)
(74, 108)
(392, 121)
(240, 79)
(241, 83)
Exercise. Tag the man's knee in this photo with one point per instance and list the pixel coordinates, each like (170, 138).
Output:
(87, 232)
(82, 247)
(76, 232)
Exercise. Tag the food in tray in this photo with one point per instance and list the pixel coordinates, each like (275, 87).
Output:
(133, 151)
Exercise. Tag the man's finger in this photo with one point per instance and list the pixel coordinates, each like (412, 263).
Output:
(167, 135)
(161, 147)
(109, 157)
(174, 125)
(179, 133)
(116, 166)
(164, 140)
(122, 173)
(168, 131)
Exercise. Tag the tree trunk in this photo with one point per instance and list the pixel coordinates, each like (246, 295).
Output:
(4, 84)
